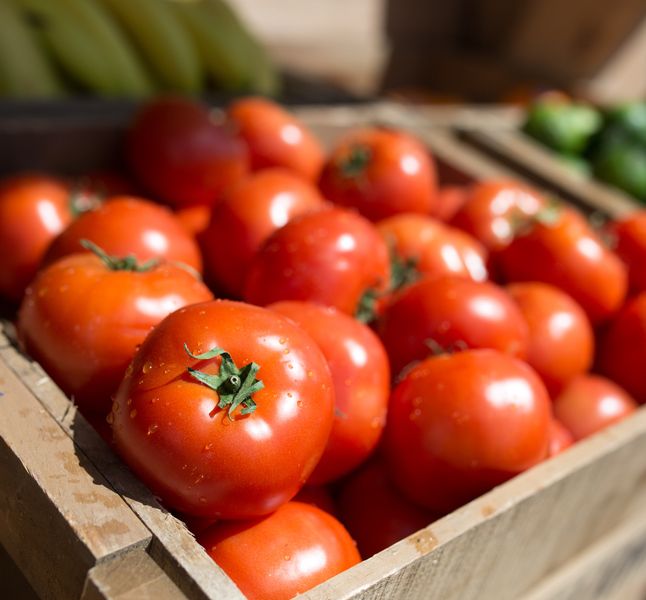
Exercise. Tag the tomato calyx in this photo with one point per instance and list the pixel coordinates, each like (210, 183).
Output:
(234, 386)
(403, 271)
(126, 263)
(358, 158)
(82, 201)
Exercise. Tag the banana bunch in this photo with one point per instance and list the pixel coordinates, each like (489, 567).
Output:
(132, 48)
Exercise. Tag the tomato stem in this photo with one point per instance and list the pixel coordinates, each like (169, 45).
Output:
(234, 386)
(357, 160)
(127, 263)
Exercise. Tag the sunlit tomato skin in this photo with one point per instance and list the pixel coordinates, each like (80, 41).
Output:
(83, 321)
(561, 340)
(126, 225)
(247, 216)
(566, 253)
(181, 154)
(276, 138)
(380, 172)
(361, 376)
(34, 209)
(622, 348)
(194, 219)
(331, 257)
(451, 313)
(198, 458)
(450, 199)
(282, 555)
(376, 514)
(590, 403)
(435, 248)
(560, 438)
(460, 424)
(629, 236)
(493, 210)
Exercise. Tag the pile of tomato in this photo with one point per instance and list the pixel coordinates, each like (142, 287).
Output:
(309, 355)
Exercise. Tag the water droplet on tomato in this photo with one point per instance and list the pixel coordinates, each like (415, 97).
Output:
(290, 366)
(152, 428)
(282, 340)
(207, 447)
(202, 500)
(287, 557)
(310, 373)
(147, 367)
(129, 401)
(133, 413)
(415, 414)
(299, 403)
(286, 351)
(110, 418)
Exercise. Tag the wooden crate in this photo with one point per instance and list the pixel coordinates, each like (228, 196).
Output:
(78, 524)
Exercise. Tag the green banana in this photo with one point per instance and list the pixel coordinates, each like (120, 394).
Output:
(162, 40)
(89, 46)
(25, 71)
(232, 56)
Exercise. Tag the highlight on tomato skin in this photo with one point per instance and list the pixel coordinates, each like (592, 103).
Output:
(560, 438)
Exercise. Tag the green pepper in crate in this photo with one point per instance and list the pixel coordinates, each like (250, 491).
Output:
(621, 161)
(631, 119)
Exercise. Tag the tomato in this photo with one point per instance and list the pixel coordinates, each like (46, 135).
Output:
(282, 555)
(195, 219)
(494, 210)
(629, 236)
(82, 320)
(622, 348)
(374, 511)
(561, 340)
(460, 424)
(434, 248)
(361, 378)
(450, 199)
(560, 438)
(380, 172)
(180, 153)
(589, 403)
(565, 252)
(451, 313)
(34, 209)
(181, 431)
(331, 257)
(125, 225)
(246, 217)
(276, 138)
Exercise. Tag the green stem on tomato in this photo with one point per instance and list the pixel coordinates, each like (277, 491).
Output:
(126, 263)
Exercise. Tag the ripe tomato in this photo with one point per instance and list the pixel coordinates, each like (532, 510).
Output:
(629, 236)
(450, 313)
(333, 257)
(568, 254)
(361, 378)
(83, 319)
(622, 348)
(34, 209)
(125, 225)
(195, 219)
(276, 138)
(181, 154)
(560, 438)
(590, 403)
(561, 340)
(374, 511)
(494, 210)
(282, 555)
(176, 422)
(450, 199)
(460, 424)
(433, 248)
(380, 172)
(246, 217)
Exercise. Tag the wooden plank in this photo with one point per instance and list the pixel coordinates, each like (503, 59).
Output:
(14, 584)
(502, 544)
(58, 514)
(172, 546)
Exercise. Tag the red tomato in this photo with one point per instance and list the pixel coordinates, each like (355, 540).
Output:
(317, 495)
(332, 257)
(177, 426)
(494, 210)
(361, 378)
(82, 320)
(622, 348)
(276, 138)
(247, 216)
(380, 173)
(34, 209)
(460, 424)
(195, 219)
(181, 154)
(450, 199)
(568, 254)
(124, 225)
(561, 340)
(374, 511)
(433, 247)
(590, 403)
(630, 244)
(450, 313)
(560, 438)
(282, 555)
